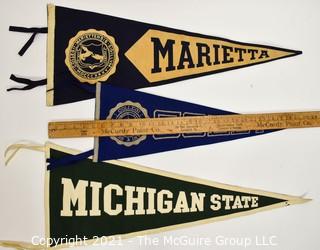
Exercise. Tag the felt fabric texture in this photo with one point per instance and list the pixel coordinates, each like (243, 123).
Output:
(140, 54)
(119, 103)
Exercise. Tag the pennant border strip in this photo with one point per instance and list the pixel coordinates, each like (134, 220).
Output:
(97, 117)
(50, 54)
(290, 200)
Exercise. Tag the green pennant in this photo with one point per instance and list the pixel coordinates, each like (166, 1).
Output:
(87, 200)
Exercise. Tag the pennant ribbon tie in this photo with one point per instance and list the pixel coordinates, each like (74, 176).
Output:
(34, 32)
(14, 148)
(30, 84)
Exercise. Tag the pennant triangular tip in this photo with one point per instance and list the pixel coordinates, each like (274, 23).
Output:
(278, 53)
(295, 52)
(297, 200)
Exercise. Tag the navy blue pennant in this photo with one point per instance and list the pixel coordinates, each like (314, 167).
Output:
(85, 48)
(118, 103)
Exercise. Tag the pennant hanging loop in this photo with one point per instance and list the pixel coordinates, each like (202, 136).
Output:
(30, 84)
(34, 32)
(13, 149)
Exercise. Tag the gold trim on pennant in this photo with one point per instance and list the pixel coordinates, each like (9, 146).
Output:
(160, 55)
(50, 54)
(107, 61)
(20, 245)
(48, 146)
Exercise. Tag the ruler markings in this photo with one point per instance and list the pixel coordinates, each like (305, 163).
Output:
(188, 124)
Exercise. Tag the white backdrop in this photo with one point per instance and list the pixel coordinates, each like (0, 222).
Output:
(284, 162)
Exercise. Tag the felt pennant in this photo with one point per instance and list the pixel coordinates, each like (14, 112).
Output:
(85, 48)
(91, 201)
(116, 198)
(118, 103)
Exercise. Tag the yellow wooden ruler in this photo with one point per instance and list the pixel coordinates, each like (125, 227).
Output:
(175, 125)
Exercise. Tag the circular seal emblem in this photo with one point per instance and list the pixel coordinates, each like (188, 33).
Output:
(128, 110)
(92, 56)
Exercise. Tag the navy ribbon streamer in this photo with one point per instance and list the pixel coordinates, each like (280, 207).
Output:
(68, 160)
(30, 84)
(34, 30)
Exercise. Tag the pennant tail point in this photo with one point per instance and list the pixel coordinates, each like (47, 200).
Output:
(298, 200)
(298, 52)
(168, 56)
